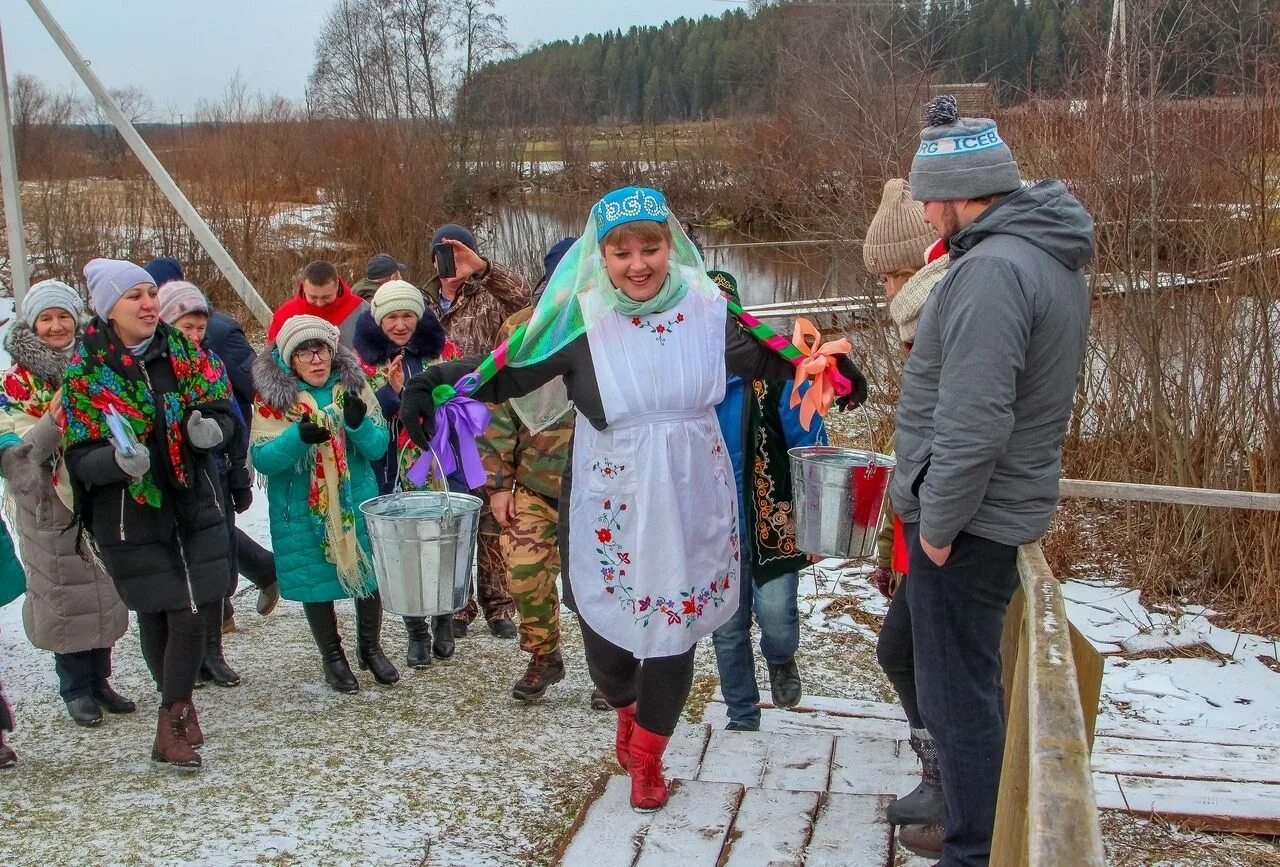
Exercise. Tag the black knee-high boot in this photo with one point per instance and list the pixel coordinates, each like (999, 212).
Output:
(418, 654)
(369, 640)
(324, 628)
(214, 667)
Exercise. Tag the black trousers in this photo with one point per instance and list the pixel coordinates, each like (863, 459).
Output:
(957, 619)
(173, 646)
(895, 651)
(659, 687)
(80, 673)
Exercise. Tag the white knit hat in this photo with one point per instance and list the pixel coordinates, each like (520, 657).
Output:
(304, 328)
(48, 295)
(906, 306)
(178, 298)
(395, 295)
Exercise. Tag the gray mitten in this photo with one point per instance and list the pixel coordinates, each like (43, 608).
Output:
(203, 433)
(20, 469)
(135, 465)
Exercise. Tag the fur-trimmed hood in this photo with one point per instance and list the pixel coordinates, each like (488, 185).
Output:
(375, 348)
(30, 352)
(278, 385)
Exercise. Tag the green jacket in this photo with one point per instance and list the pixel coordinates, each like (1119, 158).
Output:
(301, 568)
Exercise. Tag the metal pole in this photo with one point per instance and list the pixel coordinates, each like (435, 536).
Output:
(199, 228)
(12, 192)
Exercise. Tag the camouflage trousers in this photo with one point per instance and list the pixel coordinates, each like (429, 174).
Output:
(491, 571)
(533, 558)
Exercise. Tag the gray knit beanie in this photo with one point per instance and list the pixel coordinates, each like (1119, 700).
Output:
(960, 157)
(305, 328)
(108, 279)
(178, 298)
(898, 234)
(49, 295)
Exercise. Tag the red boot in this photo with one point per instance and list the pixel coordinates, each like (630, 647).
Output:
(648, 788)
(622, 737)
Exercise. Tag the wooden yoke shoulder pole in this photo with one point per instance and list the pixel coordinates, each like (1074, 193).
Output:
(199, 228)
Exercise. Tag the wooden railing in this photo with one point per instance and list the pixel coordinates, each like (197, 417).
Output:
(1046, 813)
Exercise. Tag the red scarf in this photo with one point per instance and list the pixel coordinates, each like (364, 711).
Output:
(335, 312)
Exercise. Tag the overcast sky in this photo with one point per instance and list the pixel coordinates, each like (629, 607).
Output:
(179, 51)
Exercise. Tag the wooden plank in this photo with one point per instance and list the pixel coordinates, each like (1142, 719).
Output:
(1165, 759)
(800, 763)
(1009, 838)
(1184, 734)
(771, 828)
(609, 833)
(825, 723)
(837, 706)
(683, 757)
(690, 830)
(851, 829)
(1169, 494)
(1089, 667)
(736, 757)
(1242, 808)
(873, 766)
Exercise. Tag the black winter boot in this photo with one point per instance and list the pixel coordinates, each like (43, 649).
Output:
(369, 640)
(324, 628)
(442, 647)
(419, 652)
(925, 805)
(214, 667)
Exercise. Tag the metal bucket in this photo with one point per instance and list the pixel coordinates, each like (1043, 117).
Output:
(838, 499)
(423, 546)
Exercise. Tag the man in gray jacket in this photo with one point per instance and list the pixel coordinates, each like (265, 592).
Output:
(986, 396)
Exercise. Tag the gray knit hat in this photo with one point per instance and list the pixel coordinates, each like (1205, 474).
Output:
(305, 328)
(178, 298)
(898, 234)
(49, 295)
(960, 157)
(108, 279)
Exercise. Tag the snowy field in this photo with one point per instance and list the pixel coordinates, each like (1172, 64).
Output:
(446, 769)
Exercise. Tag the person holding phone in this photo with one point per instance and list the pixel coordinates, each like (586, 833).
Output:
(156, 516)
(472, 297)
(316, 430)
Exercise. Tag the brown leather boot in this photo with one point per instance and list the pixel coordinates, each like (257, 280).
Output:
(923, 840)
(195, 736)
(171, 746)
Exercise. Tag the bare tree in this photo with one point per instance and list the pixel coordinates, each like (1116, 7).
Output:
(39, 118)
(105, 143)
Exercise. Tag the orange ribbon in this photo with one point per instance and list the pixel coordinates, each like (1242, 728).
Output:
(816, 368)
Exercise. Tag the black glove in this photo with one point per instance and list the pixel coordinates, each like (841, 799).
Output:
(418, 409)
(857, 396)
(311, 433)
(242, 499)
(353, 411)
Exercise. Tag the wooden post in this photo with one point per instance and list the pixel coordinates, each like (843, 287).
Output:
(12, 192)
(199, 228)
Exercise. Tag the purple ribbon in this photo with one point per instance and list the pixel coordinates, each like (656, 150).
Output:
(458, 420)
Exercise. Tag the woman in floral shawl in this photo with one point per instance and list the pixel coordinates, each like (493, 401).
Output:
(71, 608)
(145, 409)
(316, 428)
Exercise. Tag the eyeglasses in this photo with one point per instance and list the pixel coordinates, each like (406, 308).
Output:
(315, 353)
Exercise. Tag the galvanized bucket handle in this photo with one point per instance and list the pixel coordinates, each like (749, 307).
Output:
(866, 413)
(435, 458)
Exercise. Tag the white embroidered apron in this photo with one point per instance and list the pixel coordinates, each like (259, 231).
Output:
(653, 550)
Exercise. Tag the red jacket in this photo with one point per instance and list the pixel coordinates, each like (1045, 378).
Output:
(335, 313)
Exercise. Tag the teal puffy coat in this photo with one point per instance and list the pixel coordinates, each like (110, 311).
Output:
(286, 461)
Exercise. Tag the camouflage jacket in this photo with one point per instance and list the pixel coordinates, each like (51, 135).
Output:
(513, 455)
(477, 314)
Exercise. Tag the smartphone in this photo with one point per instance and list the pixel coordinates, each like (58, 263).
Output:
(443, 254)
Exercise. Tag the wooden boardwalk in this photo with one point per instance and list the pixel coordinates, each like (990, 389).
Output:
(811, 787)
